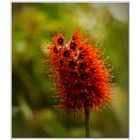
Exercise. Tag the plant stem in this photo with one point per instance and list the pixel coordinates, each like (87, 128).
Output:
(87, 121)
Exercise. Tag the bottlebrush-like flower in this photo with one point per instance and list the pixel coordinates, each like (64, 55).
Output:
(80, 73)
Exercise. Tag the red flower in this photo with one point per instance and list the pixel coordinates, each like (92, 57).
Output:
(59, 39)
(81, 75)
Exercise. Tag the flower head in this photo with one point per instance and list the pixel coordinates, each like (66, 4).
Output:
(81, 75)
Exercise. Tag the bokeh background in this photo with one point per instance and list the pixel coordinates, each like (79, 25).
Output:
(33, 24)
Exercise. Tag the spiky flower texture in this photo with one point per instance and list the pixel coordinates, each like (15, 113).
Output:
(82, 77)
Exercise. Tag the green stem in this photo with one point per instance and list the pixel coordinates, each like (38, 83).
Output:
(87, 121)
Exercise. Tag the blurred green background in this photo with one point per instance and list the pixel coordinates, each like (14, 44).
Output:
(33, 24)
